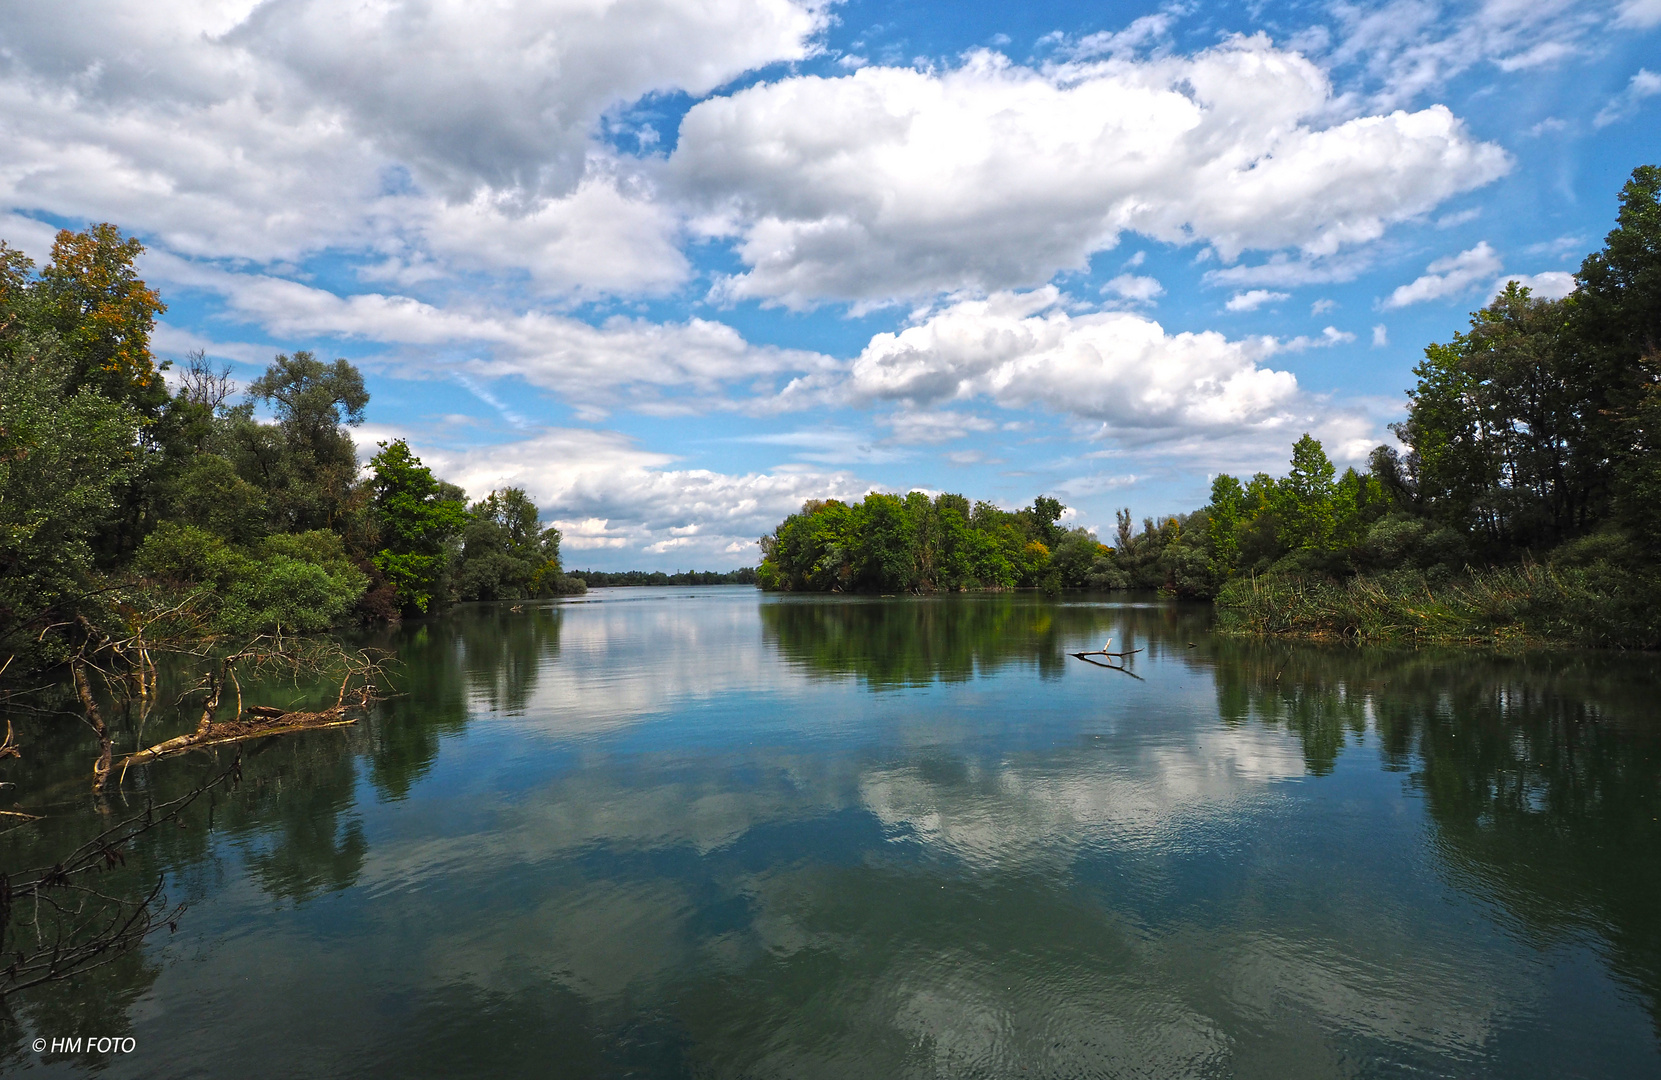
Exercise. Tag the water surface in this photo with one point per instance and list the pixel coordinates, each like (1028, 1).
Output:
(704, 832)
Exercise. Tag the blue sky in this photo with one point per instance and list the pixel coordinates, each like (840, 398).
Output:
(675, 266)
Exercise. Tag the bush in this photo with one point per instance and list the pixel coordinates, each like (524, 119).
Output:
(297, 583)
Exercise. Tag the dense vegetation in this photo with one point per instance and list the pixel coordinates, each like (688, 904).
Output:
(124, 500)
(1525, 501)
(911, 543)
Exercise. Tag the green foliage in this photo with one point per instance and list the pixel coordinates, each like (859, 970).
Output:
(1615, 321)
(506, 554)
(892, 544)
(415, 523)
(1305, 498)
(298, 583)
(64, 456)
(1603, 603)
(120, 499)
(1223, 518)
(308, 463)
(207, 492)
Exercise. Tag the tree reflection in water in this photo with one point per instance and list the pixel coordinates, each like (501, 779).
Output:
(915, 641)
(291, 820)
(763, 880)
(1541, 771)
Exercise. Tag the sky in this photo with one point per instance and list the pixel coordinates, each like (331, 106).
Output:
(676, 266)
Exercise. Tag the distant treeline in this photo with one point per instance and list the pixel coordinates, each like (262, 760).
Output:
(596, 579)
(1526, 502)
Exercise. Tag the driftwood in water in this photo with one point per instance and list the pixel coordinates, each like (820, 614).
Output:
(1106, 651)
(262, 720)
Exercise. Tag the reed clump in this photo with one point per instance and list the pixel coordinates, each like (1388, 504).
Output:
(1600, 606)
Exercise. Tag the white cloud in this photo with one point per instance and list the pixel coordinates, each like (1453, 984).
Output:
(1410, 48)
(936, 426)
(1381, 336)
(1322, 306)
(603, 491)
(1640, 14)
(1254, 299)
(598, 239)
(1140, 290)
(1284, 271)
(892, 182)
(408, 127)
(1448, 277)
(601, 365)
(1024, 350)
(1645, 84)
(505, 98)
(1551, 285)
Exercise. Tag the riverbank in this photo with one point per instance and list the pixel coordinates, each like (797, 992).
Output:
(1599, 606)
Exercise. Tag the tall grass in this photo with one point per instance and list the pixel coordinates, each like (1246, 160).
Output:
(1597, 606)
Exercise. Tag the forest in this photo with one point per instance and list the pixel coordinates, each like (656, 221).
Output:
(1523, 502)
(129, 499)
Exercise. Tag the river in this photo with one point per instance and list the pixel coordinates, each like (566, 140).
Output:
(679, 832)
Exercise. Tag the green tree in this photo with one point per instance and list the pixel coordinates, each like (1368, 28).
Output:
(1615, 324)
(1451, 465)
(64, 456)
(887, 547)
(1045, 517)
(506, 554)
(1223, 520)
(294, 583)
(308, 464)
(414, 522)
(1304, 498)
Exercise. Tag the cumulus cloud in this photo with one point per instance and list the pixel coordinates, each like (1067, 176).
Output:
(894, 182)
(1140, 290)
(1645, 84)
(1448, 277)
(1550, 285)
(272, 130)
(504, 99)
(1254, 299)
(604, 491)
(1381, 336)
(1025, 349)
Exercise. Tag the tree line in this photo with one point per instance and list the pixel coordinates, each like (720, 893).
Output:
(126, 496)
(1525, 495)
(744, 575)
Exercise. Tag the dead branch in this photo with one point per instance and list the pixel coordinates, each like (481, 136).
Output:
(94, 717)
(1106, 651)
(73, 925)
(260, 721)
(1085, 656)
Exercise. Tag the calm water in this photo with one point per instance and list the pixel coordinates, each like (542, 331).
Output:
(702, 832)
